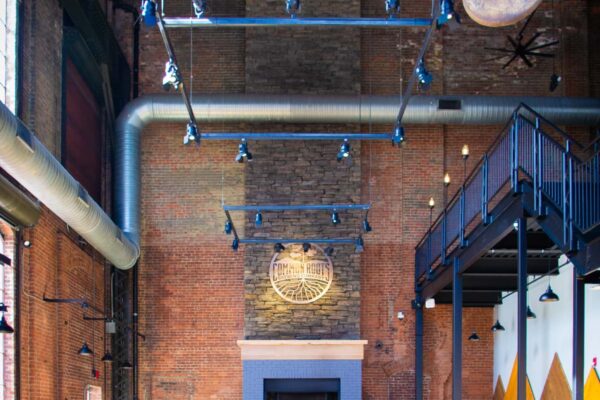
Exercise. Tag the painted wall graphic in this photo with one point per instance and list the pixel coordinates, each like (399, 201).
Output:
(499, 392)
(557, 386)
(511, 390)
(592, 386)
(550, 334)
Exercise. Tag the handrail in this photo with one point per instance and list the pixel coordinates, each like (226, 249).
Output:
(557, 175)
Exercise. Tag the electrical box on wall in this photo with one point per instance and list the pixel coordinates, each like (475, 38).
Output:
(111, 327)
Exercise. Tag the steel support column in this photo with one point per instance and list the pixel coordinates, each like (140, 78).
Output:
(418, 306)
(578, 334)
(522, 308)
(457, 297)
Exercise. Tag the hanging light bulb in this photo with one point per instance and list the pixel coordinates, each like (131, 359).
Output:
(447, 15)
(4, 326)
(259, 219)
(474, 337)
(497, 327)
(549, 296)
(431, 202)
(243, 152)
(446, 179)
(344, 152)
(398, 136)
(172, 77)
(107, 357)
(235, 244)
(359, 246)
(278, 247)
(85, 350)
(423, 76)
(335, 218)
(228, 227)
(530, 314)
(328, 251)
(465, 151)
(392, 7)
(149, 12)
(191, 134)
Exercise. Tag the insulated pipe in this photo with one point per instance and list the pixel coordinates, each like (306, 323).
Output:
(451, 110)
(26, 159)
(16, 205)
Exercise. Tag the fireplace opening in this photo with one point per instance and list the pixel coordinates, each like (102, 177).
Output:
(302, 389)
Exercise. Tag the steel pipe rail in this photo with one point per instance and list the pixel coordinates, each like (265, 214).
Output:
(303, 207)
(274, 136)
(307, 240)
(233, 22)
(312, 109)
(26, 159)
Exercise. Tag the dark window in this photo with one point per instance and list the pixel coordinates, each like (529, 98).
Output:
(82, 147)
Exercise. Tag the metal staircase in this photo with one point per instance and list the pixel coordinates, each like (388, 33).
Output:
(535, 170)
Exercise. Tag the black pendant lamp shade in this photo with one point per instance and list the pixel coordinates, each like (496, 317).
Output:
(126, 365)
(107, 358)
(530, 314)
(497, 327)
(85, 350)
(549, 296)
(474, 337)
(4, 326)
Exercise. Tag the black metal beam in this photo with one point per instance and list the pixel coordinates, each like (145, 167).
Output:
(535, 240)
(522, 310)
(457, 300)
(578, 334)
(470, 298)
(418, 306)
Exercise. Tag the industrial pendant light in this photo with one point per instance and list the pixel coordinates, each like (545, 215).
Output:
(126, 365)
(497, 327)
(530, 314)
(259, 219)
(228, 227)
(474, 337)
(4, 326)
(398, 136)
(344, 152)
(329, 251)
(423, 76)
(107, 358)
(235, 244)
(366, 226)
(191, 134)
(335, 218)
(172, 77)
(447, 15)
(85, 350)
(549, 296)
(243, 152)
(306, 247)
(278, 248)
(149, 12)
(359, 246)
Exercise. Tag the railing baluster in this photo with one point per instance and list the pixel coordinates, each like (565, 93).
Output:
(571, 203)
(565, 201)
(484, 190)
(444, 238)
(463, 243)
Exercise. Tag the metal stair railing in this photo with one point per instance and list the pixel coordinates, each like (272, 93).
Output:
(528, 147)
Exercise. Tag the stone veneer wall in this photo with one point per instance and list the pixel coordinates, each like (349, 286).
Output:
(303, 61)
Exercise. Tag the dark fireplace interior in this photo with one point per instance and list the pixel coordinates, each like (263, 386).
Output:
(302, 389)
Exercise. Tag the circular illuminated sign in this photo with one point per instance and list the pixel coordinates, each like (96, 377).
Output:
(301, 277)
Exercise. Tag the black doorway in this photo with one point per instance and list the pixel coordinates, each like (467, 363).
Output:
(302, 389)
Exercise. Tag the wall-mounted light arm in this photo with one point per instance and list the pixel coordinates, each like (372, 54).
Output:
(82, 302)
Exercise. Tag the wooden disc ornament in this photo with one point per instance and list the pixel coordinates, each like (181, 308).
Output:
(497, 13)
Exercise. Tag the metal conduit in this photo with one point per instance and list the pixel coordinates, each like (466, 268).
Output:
(26, 159)
(451, 110)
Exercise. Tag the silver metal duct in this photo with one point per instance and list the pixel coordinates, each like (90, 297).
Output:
(24, 157)
(451, 110)
(16, 205)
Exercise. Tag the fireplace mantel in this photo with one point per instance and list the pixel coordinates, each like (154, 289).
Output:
(302, 349)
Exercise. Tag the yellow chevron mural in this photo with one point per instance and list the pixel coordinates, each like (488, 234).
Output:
(499, 392)
(511, 390)
(557, 385)
(592, 386)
